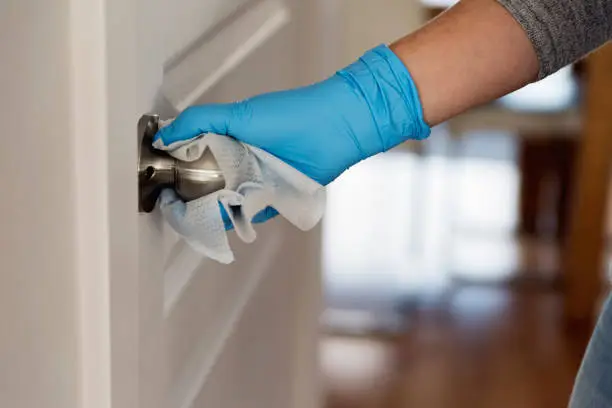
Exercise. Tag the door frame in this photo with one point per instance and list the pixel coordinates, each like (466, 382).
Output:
(104, 114)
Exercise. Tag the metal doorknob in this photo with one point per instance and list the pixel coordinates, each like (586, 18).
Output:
(157, 170)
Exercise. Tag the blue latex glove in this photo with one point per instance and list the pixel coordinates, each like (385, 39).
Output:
(322, 129)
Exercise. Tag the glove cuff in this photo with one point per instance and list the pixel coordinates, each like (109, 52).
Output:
(391, 95)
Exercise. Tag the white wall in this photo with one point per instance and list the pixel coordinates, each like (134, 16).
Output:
(38, 332)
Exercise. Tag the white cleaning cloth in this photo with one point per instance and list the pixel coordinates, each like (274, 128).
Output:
(254, 180)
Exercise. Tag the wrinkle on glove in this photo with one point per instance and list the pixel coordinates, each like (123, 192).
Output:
(254, 180)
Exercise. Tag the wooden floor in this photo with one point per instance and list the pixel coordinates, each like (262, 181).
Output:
(480, 347)
(466, 316)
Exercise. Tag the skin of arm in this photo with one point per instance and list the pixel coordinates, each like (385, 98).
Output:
(471, 54)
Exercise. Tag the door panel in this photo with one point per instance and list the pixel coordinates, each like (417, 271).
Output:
(216, 296)
(215, 335)
(184, 21)
(256, 352)
(197, 68)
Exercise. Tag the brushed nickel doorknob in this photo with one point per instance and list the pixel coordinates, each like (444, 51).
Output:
(157, 170)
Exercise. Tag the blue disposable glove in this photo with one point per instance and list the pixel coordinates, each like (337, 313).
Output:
(322, 129)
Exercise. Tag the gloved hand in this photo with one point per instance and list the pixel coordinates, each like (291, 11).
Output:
(322, 129)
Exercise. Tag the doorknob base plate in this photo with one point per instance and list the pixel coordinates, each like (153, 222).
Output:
(155, 168)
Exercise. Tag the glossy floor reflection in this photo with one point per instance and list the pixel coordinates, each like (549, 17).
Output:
(479, 348)
(432, 300)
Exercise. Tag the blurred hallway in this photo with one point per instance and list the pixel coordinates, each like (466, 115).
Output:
(432, 301)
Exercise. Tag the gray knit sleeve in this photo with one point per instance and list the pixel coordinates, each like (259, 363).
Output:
(562, 31)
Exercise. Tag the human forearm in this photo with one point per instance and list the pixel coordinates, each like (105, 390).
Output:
(470, 55)
(482, 49)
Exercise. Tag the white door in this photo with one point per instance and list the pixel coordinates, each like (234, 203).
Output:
(102, 307)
